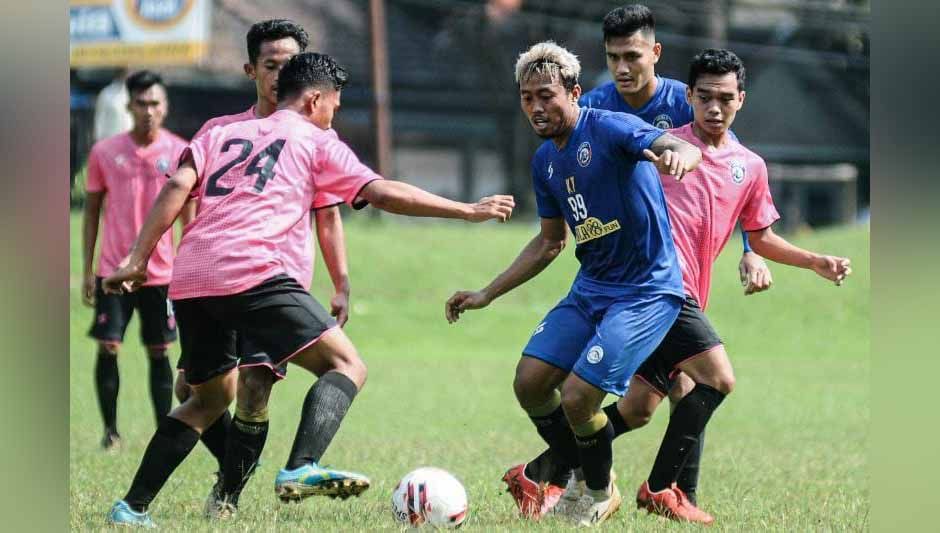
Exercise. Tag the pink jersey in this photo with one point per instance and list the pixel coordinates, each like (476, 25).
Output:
(729, 185)
(257, 180)
(131, 177)
(299, 263)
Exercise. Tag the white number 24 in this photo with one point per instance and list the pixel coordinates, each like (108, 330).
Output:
(577, 206)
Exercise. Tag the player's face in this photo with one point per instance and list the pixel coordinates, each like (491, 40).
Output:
(631, 61)
(325, 108)
(551, 110)
(715, 101)
(148, 108)
(271, 59)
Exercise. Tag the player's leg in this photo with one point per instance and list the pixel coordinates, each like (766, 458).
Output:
(547, 358)
(688, 476)
(112, 314)
(210, 349)
(287, 324)
(157, 331)
(214, 436)
(631, 329)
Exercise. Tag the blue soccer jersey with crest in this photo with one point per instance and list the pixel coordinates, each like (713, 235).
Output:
(667, 108)
(612, 199)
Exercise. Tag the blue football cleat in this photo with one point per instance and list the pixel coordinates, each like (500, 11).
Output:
(121, 514)
(314, 480)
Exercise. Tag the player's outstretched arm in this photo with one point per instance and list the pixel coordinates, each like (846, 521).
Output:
(133, 269)
(774, 247)
(537, 254)
(673, 156)
(332, 242)
(404, 199)
(90, 222)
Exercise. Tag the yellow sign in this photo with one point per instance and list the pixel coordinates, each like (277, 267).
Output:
(150, 32)
(593, 228)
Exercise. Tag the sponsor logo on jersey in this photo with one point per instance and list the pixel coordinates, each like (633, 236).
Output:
(737, 172)
(595, 354)
(663, 122)
(592, 228)
(539, 329)
(584, 154)
(163, 164)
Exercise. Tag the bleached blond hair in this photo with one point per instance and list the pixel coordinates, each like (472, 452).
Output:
(548, 60)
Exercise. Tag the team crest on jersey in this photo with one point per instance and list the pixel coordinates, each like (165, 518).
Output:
(551, 170)
(663, 122)
(595, 354)
(163, 164)
(584, 154)
(737, 172)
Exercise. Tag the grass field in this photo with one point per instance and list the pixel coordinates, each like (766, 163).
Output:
(787, 451)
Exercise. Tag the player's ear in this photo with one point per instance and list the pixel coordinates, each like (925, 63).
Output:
(576, 92)
(249, 71)
(657, 50)
(688, 95)
(741, 95)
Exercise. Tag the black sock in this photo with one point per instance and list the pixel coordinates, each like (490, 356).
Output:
(169, 446)
(324, 408)
(555, 431)
(107, 383)
(245, 442)
(215, 438)
(616, 420)
(548, 467)
(597, 457)
(161, 386)
(688, 476)
(685, 425)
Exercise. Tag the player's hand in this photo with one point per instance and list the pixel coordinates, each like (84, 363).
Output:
(498, 206)
(127, 278)
(755, 276)
(339, 307)
(88, 290)
(832, 268)
(462, 301)
(670, 162)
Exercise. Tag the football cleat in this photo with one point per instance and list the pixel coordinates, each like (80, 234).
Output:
(672, 503)
(121, 514)
(314, 480)
(589, 512)
(569, 499)
(111, 442)
(534, 500)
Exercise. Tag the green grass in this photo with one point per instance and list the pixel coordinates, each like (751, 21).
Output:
(787, 451)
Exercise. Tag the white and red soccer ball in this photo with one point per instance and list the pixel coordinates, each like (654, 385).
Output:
(430, 496)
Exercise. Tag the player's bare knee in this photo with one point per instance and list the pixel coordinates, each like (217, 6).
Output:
(529, 392)
(181, 388)
(577, 404)
(254, 389)
(725, 383)
(108, 349)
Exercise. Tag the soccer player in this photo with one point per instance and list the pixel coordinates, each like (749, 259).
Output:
(632, 53)
(591, 173)
(729, 186)
(270, 44)
(128, 171)
(254, 180)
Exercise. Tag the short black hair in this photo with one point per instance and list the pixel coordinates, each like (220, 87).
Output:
(716, 61)
(307, 70)
(273, 30)
(141, 81)
(627, 20)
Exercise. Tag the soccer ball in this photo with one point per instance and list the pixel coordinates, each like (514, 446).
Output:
(430, 496)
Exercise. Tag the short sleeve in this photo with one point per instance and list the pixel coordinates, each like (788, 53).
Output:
(325, 199)
(546, 204)
(631, 134)
(340, 174)
(759, 211)
(94, 181)
(198, 150)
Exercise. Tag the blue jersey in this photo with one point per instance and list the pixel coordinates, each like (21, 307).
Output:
(612, 199)
(667, 108)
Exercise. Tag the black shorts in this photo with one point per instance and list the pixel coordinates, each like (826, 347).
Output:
(279, 316)
(113, 313)
(691, 334)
